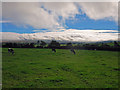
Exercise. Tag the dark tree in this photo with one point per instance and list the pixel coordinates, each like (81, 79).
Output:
(116, 44)
(38, 42)
(31, 45)
(42, 43)
(69, 45)
(54, 44)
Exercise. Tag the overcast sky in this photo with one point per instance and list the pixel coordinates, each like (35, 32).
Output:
(29, 17)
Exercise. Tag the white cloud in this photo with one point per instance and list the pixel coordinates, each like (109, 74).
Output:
(5, 21)
(46, 15)
(100, 10)
(36, 30)
(0, 19)
(34, 15)
(119, 13)
(65, 10)
(61, 1)
(28, 14)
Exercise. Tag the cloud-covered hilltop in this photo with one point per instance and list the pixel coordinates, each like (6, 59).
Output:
(68, 35)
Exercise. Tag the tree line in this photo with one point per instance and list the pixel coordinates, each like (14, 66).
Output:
(57, 45)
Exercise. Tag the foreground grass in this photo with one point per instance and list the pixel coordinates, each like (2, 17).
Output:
(0, 68)
(41, 68)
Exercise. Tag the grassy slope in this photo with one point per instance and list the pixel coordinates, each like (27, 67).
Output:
(41, 68)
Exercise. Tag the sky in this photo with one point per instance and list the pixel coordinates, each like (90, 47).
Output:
(34, 17)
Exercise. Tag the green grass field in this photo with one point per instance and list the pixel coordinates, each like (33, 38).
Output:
(42, 68)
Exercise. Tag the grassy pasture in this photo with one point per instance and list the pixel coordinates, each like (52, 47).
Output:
(42, 68)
